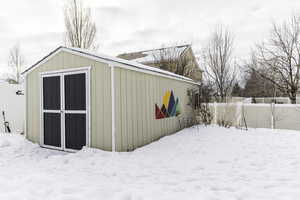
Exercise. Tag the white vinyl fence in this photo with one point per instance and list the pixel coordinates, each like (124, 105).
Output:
(279, 116)
(13, 105)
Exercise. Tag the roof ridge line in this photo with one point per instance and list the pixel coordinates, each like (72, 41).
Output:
(155, 49)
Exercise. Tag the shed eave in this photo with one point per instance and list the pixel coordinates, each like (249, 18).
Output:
(109, 61)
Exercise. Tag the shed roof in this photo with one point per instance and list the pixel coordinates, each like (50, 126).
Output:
(150, 56)
(97, 56)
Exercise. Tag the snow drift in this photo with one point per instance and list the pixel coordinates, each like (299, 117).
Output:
(196, 163)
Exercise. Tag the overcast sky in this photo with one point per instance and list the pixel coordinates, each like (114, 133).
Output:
(132, 25)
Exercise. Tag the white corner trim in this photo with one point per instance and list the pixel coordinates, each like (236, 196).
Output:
(89, 86)
(25, 116)
(113, 125)
(68, 70)
(41, 111)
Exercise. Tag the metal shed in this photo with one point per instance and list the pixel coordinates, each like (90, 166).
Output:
(76, 98)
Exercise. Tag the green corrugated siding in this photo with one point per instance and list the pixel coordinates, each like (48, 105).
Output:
(136, 94)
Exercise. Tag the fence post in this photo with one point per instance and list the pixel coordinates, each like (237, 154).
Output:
(216, 112)
(272, 115)
(238, 113)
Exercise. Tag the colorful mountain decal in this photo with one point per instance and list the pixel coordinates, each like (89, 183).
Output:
(158, 113)
(170, 107)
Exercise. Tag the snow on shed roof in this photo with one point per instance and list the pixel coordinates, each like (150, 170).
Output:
(108, 58)
(150, 56)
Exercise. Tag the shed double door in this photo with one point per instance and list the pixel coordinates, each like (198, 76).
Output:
(64, 110)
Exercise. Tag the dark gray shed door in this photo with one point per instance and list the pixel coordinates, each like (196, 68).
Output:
(65, 111)
(75, 108)
(52, 111)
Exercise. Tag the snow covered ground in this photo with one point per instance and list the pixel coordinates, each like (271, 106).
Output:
(197, 163)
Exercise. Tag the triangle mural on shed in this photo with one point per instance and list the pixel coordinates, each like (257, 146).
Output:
(164, 111)
(171, 103)
(158, 113)
(173, 113)
(169, 108)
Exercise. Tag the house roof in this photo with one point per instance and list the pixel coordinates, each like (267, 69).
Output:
(101, 57)
(150, 56)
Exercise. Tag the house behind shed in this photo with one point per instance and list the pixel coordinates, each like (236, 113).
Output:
(177, 59)
(75, 98)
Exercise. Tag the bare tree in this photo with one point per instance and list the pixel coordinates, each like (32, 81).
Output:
(217, 59)
(16, 61)
(170, 59)
(80, 29)
(279, 57)
(174, 60)
(256, 86)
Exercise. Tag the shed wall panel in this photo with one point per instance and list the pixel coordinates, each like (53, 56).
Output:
(136, 95)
